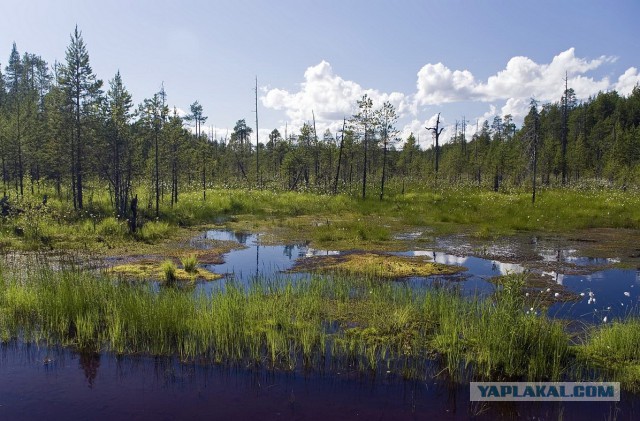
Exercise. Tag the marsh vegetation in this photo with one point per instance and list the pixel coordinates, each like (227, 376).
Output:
(318, 323)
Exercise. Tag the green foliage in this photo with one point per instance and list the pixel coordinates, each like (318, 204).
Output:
(356, 323)
(190, 263)
(498, 336)
(111, 227)
(154, 231)
(52, 133)
(168, 268)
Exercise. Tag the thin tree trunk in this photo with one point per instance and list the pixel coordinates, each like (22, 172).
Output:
(157, 178)
(364, 172)
(335, 184)
(384, 168)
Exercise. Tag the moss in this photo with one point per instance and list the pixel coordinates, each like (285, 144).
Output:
(152, 269)
(539, 290)
(377, 264)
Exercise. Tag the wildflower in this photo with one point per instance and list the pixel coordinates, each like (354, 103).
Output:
(557, 294)
(605, 319)
(582, 294)
(627, 294)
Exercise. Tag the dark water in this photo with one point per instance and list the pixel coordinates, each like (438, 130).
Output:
(256, 260)
(473, 281)
(45, 383)
(56, 384)
(610, 293)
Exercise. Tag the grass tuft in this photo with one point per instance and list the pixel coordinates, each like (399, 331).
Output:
(190, 263)
(169, 270)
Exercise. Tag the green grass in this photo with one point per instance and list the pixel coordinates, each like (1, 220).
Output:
(351, 322)
(343, 220)
(168, 268)
(502, 340)
(190, 263)
(154, 231)
(614, 350)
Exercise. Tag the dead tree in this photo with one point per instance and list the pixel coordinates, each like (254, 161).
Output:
(436, 133)
(335, 184)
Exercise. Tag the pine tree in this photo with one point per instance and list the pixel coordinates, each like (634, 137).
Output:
(386, 118)
(117, 158)
(15, 107)
(82, 91)
(365, 120)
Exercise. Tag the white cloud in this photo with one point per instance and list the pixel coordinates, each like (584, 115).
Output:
(330, 97)
(517, 107)
(437, 84)
(521, 78)
(627, 81)
(181, 113)
(508, 91)
(425, 137)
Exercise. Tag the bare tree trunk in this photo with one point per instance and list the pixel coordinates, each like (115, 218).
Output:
(565, 130)
(335, 184)
(364, 172)
(79, 155)
(157, 175)
(384, 168)
(436, 132)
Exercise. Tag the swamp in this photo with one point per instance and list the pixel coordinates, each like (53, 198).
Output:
(365, 246)
(383, 311)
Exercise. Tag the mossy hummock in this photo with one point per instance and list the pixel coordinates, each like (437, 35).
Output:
(383, 265)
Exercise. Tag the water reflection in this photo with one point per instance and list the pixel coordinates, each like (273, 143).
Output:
(611, 293)
(614, 291)
(90, 362)
(569, 256)
(257, 260)
(142, 387)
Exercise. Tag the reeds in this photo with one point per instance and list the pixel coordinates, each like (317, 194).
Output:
(190, 263)
(168, 269)
(339, 321)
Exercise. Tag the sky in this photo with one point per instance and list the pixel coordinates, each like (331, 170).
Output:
(471, 59)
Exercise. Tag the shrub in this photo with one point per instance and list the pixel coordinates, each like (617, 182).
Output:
(169, 270)
(156, 230)
(111, 227)
(189, 263)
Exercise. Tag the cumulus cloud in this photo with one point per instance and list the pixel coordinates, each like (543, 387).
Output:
(627, 81)
(521, 78)
(179, 111)
(508, 91)
(423, 136)
(437, 84)
(328, 95)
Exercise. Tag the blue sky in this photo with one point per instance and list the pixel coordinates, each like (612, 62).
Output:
(461, 58)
